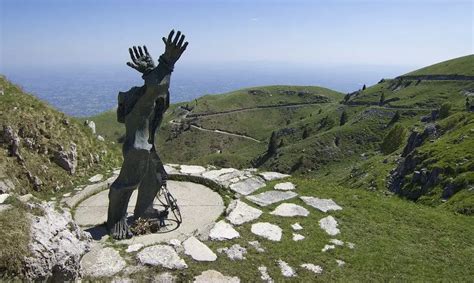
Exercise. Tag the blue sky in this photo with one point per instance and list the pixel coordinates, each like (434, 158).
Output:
(52, 33)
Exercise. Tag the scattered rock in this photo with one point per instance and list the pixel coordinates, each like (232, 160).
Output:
(100, 138)
(336, 242)
(313, 268)
(4, 207)
(102, 262)
(161, 255)
(6, 185)
(351, 245)
(176, 245)
(239, 212)
(270, 197)
(91, 125)
(329, 224)
(248, 185)
(3, 198)
(134, 248)
(197, 250)
(288, 186)
(322, 204)
(25, 198)
(296, 227)
(235, 252)
(257, 246)
(192, 169)
(340, 263)
(297, 237)
(328, 247)
(96, 178)
(290, 210)
(286, 270)
(267, 230)
(212, 276)
(223, 231)
(170, 170)
(264, 274)
(67, 159)
(270, 176)
(56, 246)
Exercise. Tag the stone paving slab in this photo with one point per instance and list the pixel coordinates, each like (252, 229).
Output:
(270, 197)
(324, 205)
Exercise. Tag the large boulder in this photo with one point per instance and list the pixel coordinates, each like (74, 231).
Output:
(56, 246)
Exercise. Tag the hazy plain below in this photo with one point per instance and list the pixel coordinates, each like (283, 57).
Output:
(85, 91)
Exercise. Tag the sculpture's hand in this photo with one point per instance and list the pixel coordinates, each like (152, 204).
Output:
(141, 61)
(174, 47)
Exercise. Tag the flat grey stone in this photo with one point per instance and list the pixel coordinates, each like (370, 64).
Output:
(328, 247)
(287, 186)
(213, 276)
(336, 242)
(270, 197)
(313, 268)
(264, 274)
(102, 262)
(248, 186)
(267, 230)
(214, 174)
(239, 212)
(170, 170)
(270, 176)
(290, 210)
(96, 178)
(322, 204)
(161, 255)
(197, 250)
(297, 237)
(134, 248)
(192, 169)
(3, 198)
(351, 245)
(329, 224)
(296, 227)
(257, 246)
(235, 252)
(286, 269)
(340, 263)
(223, 231)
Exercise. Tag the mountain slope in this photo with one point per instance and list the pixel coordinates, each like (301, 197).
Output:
(42, 150)
(457, 66)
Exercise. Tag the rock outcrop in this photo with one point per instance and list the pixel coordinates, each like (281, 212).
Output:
(57, 245)
(67, 159)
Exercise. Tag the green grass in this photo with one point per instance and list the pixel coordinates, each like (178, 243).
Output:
(458, 66)
(14, 239)
(394, 240)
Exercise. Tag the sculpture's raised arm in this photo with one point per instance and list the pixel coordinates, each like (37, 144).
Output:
(157, 79)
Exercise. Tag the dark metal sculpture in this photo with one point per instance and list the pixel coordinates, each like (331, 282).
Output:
(142, 109)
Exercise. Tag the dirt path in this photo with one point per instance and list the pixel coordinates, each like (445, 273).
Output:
(296, 105)
(225, 133)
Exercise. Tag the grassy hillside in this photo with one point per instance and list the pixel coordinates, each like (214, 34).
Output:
(458, 66)
(302, 126)
(43, 132)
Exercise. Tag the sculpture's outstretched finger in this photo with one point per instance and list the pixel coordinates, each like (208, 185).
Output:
(136, 52)
(170, 37)
(175, 41)
(132, 56)
(140, 51)
(180, 42)
(146, 50)
(184, 47)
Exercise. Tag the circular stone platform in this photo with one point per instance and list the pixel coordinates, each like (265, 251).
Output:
(199, 205)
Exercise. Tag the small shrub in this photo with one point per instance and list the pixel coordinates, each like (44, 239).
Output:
(393, 140)
(444, 110)
(343, 118)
